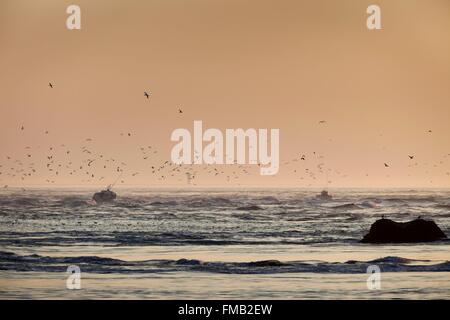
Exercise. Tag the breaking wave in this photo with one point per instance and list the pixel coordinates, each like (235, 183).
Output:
(94, 264)
(348, 206)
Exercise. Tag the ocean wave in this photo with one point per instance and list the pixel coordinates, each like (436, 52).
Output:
(73, 202)
(93, 264)
(65, 218)
(164, 203)
(210, 201)
(346, 206)
(369, 204)
(410, 199)
(245, 216)
(395, 259)
(21, 201)
(269, 200)
(172, 238)
(250, 208)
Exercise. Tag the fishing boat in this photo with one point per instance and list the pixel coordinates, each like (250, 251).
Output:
(107, 195)
(104, 196)
(324, 195)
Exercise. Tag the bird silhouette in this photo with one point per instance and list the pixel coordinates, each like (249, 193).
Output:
(180, 111)
(411, 157)
(146, 94)
(386, 165)
(50, 85)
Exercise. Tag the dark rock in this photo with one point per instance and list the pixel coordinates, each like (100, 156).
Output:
(266, 263)
(388, 231)
(189, 262)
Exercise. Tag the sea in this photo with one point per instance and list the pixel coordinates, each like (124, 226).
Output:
(212, 243)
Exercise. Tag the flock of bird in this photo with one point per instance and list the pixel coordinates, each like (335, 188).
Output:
(90, 166)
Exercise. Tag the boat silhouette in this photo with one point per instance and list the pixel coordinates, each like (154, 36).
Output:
(104, 196)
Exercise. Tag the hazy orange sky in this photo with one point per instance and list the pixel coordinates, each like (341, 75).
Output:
(232, 64)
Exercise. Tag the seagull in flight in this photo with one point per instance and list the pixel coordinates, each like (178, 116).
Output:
(147, 95)
(180, 111)
(386, 165)
(411, 157)
(50, 85)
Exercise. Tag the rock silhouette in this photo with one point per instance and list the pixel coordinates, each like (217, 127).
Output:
(266, 263)
(418, 230)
